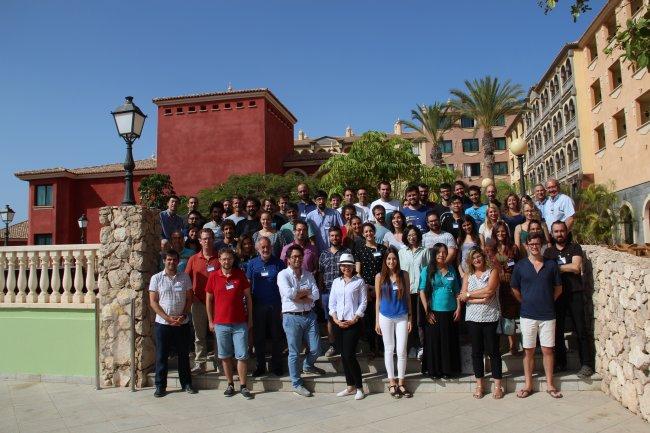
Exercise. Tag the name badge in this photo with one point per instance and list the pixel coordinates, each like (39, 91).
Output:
(304, 287)
(561, 261)
(376, 254)
(455, 225)
(303, 215)
(230, 285)
(210, 268)
(450, 278)
(264, 273)
(395, 288)
(511, 263)
(177, 287)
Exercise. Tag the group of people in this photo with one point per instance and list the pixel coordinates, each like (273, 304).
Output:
(410, 278)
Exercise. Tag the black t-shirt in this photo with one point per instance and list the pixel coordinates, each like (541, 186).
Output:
(247, 227)
(570, 282)
(439, 208)
(451, 225)
(371, 260)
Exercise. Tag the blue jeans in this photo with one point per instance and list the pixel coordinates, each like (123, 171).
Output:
(301, 329)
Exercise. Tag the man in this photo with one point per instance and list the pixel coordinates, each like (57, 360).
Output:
(477, 210)
(379, 217)
(238, 213)
(277, 219)
(568, 256)
(423, 191)
(436, 235)
(305, 204)
(193, 206)
(310, 253)
(322, 218)
(536, 284)
(262, 271)
(170, 297)
(199, 267)
(283, 206)
(335, 201)
(459, 190)
(540, 198)
(299, 292)
(229, 307)
(227, 208)
(491, 194)
(414, 211)
(170, 221)
(328, 270)
(286, 231)
(216, 218)
(384, 190)
(363, 211)
(193, 219)
(251, 223)
(445, 196)
(362, 202)
(452, 221)
(559, 207)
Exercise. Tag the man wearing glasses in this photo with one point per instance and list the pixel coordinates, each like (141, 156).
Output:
(536, 284)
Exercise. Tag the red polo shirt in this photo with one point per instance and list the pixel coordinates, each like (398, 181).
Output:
(229, 299)
(199, 269)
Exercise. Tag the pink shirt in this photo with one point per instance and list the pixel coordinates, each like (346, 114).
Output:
(310, 260)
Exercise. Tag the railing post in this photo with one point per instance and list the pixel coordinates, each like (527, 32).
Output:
(32, 282)
(78, 296)
(56, 277)
(11, 278)
(44, 296)
(22, 278)
(2, 277)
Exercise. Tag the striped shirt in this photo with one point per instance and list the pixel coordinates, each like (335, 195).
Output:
(488, 312)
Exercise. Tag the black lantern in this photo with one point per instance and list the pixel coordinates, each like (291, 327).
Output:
(7, 215)
(83, 223)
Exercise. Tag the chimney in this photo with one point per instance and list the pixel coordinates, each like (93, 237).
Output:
(301, 134)
(348, 132)
(397, 127)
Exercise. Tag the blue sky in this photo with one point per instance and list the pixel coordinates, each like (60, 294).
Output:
(64, 65)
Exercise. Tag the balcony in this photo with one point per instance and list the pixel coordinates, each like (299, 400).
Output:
(574, 166)
(570, 125)
(548, 144)
(567, 85)
(555, 98)
(559, 135)
(561, 172)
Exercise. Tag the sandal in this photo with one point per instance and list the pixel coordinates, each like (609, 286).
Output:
(497, 394)
(405, 392)
(554, 393)
(478, 394)
(394, 392)
(524, 393)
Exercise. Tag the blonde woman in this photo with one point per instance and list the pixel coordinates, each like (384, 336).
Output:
(493, 215)
(521, 231)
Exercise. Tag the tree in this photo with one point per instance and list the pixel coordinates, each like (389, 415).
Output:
(376, 157)
(487, 100)
(432, 121)
(155, 191)
(596, 219)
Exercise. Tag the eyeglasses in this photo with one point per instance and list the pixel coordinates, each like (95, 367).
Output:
(295, 257)
(536, 244)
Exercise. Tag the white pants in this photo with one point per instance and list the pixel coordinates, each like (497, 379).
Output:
(531, 328)
(391, 330)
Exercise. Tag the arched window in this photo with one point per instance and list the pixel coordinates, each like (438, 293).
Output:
(568, 69)
(563, 74)
(572, 109)
(562, 159)
(627, 227)
(569, 152)
(575, 150)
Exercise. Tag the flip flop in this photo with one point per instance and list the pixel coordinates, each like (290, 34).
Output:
(478, 394)
(497, 394)
(524, 393)
(554, 393)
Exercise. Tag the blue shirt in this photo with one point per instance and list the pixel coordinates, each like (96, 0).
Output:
(304, 209)
(537, 301)
(380, 232)
(390, 305)
(264, 280)
(478, 213)
(417, 217)
(322, 223)
(444, 289)
(170, 223)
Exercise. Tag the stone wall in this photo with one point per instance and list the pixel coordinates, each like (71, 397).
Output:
(128, 257)
(621, 285)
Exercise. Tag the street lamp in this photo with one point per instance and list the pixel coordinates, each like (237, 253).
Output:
(518, 147)
(7, 216)
(83, 223)
(129, 120)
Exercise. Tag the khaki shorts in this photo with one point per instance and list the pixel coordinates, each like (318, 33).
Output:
(531, 328)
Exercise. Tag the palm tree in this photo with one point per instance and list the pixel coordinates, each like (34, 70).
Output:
(487, 100)
(432, 121)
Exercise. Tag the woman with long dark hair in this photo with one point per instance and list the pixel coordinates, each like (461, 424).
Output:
(506, 256)
(393, 311)
(468, 239)
(439, 288)
(396, 237)
(512, 213)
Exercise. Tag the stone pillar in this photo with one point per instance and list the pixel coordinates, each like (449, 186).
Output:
(128, 257)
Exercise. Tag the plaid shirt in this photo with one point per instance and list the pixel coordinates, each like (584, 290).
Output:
(328, 265)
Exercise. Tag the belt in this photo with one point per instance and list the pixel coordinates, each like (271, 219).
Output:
(298, 313)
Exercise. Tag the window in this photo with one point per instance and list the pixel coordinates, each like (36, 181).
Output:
(415, 148)
(610, 25)
(470, 145)
(215, 107)
(501, 121)
(500, 168)
(252, 104)
(619, 122)
(466, 122)
(43, 195)
(168, 111)
(600, 137)
(635, 6)
(451, 167)
(643, 108)
(596, 96)
(627, 227)
(443, 122)
(446, 146)
(472, 170)
(500, 143)
(226, 106)
(43, 239)
(191, 109)
(240, 105)
(593, 50)
(203, 108)
(615, 77)
(179, 110)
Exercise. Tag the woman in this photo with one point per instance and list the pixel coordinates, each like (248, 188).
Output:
(480, 287)
(245, 251)
(228, 231)
(439, 288)
(522, 230)
(493, 215)
(267, 230)
(178, 245)
(347, 304)
(412, 259)
(192, 241)
(396, 237)
(347, 212)
(467, 240)
(512, 213)
(354, 237)
(368, 259)
(506, 256)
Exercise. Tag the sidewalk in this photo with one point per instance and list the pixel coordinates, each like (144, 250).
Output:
(54, 407)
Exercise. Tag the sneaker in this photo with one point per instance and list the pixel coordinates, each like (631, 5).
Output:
(246, 393)
(302, 391)
(259, 372)
(413, 353)
(420, 354)
(160, 392)
(344, 393)
(359, 395)
(314, 370)
(230, 391)
(198, 369)
(190, 389)
(585, 372)
(331, 352)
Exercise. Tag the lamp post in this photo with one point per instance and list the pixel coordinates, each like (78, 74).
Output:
(518, 147)
(83, 223)
(7, 216)
(129, 120)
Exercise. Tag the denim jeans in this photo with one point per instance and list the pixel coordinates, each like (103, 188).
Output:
(168, 336)
(301, 329)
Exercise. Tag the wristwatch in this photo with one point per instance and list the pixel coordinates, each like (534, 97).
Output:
(466, 295)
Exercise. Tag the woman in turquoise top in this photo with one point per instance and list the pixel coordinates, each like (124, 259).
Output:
(439, 287)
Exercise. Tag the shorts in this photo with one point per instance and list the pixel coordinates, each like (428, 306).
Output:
(232, 341)
(531, 328)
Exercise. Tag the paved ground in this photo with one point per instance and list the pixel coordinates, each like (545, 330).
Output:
(53, 407)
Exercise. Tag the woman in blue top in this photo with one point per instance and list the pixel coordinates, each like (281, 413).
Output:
(393, 312)
(439, 288)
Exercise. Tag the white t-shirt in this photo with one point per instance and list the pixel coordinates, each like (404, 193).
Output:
(172, 293)
(390, 206)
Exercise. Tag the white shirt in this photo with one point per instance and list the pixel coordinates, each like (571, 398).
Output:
(289, 286)
(429, 239)
(390, 206)
(559, 208)
(362, 212)
(172, 293)
(234, 218)
(348, 300)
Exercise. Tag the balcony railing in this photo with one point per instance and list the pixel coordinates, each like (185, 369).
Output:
(559, 135)
(567, 85)
(49, 274)
(574, 166)
(548, 144)
(561, 172)
(570, 125)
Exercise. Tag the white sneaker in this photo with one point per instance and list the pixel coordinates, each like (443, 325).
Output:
(420, 353)
(302, 391)
(413, 353)
(344, 393)
(359, 395)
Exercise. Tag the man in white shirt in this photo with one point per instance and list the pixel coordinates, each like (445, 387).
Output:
(384, 189)
(558, 207)
(437, 235)
(363, 212)
(238, 213)
(299, 291)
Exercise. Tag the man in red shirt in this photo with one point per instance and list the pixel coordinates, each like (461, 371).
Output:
(229, 306)
(199, 267)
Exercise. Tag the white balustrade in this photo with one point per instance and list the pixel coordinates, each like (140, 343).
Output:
(48, 274)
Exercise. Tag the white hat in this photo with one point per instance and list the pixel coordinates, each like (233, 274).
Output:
(346, 259)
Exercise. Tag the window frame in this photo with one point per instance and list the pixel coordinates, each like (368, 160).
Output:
(49, 193)
(473, 140)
